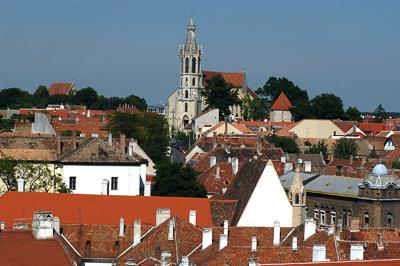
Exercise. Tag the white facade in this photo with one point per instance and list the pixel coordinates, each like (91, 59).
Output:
(89, 178)
(280, 116)
(268, 203)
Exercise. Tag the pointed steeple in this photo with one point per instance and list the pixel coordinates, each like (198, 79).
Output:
(191, 35)
(297, 184)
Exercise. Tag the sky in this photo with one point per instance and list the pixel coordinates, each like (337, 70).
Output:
(120, 47)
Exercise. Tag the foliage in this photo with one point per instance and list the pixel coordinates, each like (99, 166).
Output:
(6, 125)
(373, 154)
(320, 147)
(28, 117)
(175, 180)
(7, 172)
(69, 133)
(302, 110)
(184, 138)
(327, 106)
(380, 113)
(86, 96)
(286, 144)
(396, 165)
(220, 94)
(353, 114)
(15, 98)
(254, 109)
(149, 129)
(344, 148)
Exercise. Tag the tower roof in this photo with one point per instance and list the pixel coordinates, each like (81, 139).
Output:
(282, 103)
(191, 35)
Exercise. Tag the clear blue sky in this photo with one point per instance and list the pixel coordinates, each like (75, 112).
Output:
(350, 48)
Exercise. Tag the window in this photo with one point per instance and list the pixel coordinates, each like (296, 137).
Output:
(186, 94)
(72, 182)
(389, 220)
(198, 66)
(296, 199)
(366, 220)
(186, 107)
(114, 183)
(193, 81)
(344, 218)
(193, 65)
(322, 217)
(186, 65)
(316, 214)
(333, 218)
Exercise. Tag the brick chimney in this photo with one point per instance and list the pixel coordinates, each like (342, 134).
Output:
(207, 237)
(122, 142)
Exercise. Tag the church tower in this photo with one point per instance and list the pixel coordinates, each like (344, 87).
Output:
(297, 196)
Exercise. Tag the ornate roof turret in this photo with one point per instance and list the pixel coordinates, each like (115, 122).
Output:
(190, 42)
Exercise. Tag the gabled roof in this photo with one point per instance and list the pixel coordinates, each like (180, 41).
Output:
(61, 88)
(282, 103)
(237, 79)
(98, 151)
(99, 209)
(18, 248)
(374, 128)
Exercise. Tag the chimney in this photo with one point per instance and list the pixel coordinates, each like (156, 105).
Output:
(58, 143)
(207, 237)
(357, 252)
(235, 165)
(226, 224)
(192, 217)
(137, 232)
(184, 261)
(21, 185)
(213, 161)
(110, 139)
(147, 188)
(380, 242)
(218, 173)
(42, 225)
(56, 224)
(259, 146)
(309, 228)
(121, 226)
(73, 140)
(223, 241)
(224, 190)
(253, 262)
(351, 159)
(227, 148)
(104, 187)
(162, 215)
(165, 258)
(253, 243)
(277, 233)
(319, 253)
(294, 243)
(122, 142)
(2, 225)
(215, 140)
(171, 229)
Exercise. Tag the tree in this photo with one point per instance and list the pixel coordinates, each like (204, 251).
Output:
(6, 125)
(136, 101)
(254, 109)
(286, 144)
(380, 114)
(353, 114)
(344, 147)
(302, 110)
(15, 98)
(220, 94)
(320, 147)
(7, 173)
(41, 92)
(327, 106)
(86, 96)
(175, 180)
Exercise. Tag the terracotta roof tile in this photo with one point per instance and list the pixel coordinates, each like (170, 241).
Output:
(282, 103)
(234, 78)
(60, 88)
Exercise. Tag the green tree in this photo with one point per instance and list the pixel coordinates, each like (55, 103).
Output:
(380, 113)
(6, 125)
(327, 106)
(136, 101)
(175, 180)
(8, 173)
(86, 96)
(254, 109)
(353, 114)
(41, 92)
(302, 110)
(286, 144)
(320, 147)
(220, 94)
(343, 148)
(15, 98)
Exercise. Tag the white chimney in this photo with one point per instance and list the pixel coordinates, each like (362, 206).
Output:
(223, 241)
(253, 262)
(253, 243)
(307, 166)
(147, 188)
(207, 237)
(309, 228)
(224, 190)
(226, 224)
(165, 258)
(110, 139)
(277, 233)
(357, 252)
(162, 215)
(235, 165)
(218, 173)
(20, 184)
(213, 161)
(319, 253)
(2, 225)
(171, 229)
(56, 224)
(184, 261)
(192, 217)
(104, 187)
(42, 225)
(294, 243)
(121, 226)
(137, 232)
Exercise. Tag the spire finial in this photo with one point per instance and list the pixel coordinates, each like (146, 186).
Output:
(191, 23)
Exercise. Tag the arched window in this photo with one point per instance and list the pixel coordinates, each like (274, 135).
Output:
(198, 66)
(185, 120)
(186, 94)
(366, 220)
(296, 198)
(186, 107)
(194, 82)
(389, 220)
(186, 65)
(194, 65)
(181, 65)
(344, 218)
(333, 217)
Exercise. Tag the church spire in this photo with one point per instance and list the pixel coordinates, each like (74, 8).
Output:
(191, 35)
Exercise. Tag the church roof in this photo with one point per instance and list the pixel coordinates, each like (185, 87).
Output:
(61, 88)
(282, 103)
(237, 79)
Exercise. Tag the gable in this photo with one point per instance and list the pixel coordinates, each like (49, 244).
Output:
(316, 128)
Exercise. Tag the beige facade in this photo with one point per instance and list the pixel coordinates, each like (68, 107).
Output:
(316, 129)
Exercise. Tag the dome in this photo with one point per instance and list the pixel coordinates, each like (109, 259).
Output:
(380, 169)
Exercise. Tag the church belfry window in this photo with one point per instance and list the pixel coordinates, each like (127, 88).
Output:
(186, 94)
(186, 107)
(296, 198)
(366, 220)
(186, 65)
(194, 82)
(194, 65)
(389, 220)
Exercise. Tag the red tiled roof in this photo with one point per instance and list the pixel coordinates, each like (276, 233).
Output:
(99, 209)
(282, 103)
(60, 88)
(19, 248)
(234, 78)
(393, 155)
(374, 128)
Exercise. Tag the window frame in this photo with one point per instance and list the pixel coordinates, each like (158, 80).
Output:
(114, 183)
(72, 182)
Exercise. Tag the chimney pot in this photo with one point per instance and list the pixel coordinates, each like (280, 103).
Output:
(223, 241)
(137, 232)
(192, 217)
(207, 237)
(226, 225)
(171, 229)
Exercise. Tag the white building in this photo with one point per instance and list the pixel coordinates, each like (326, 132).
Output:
(97, 167)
